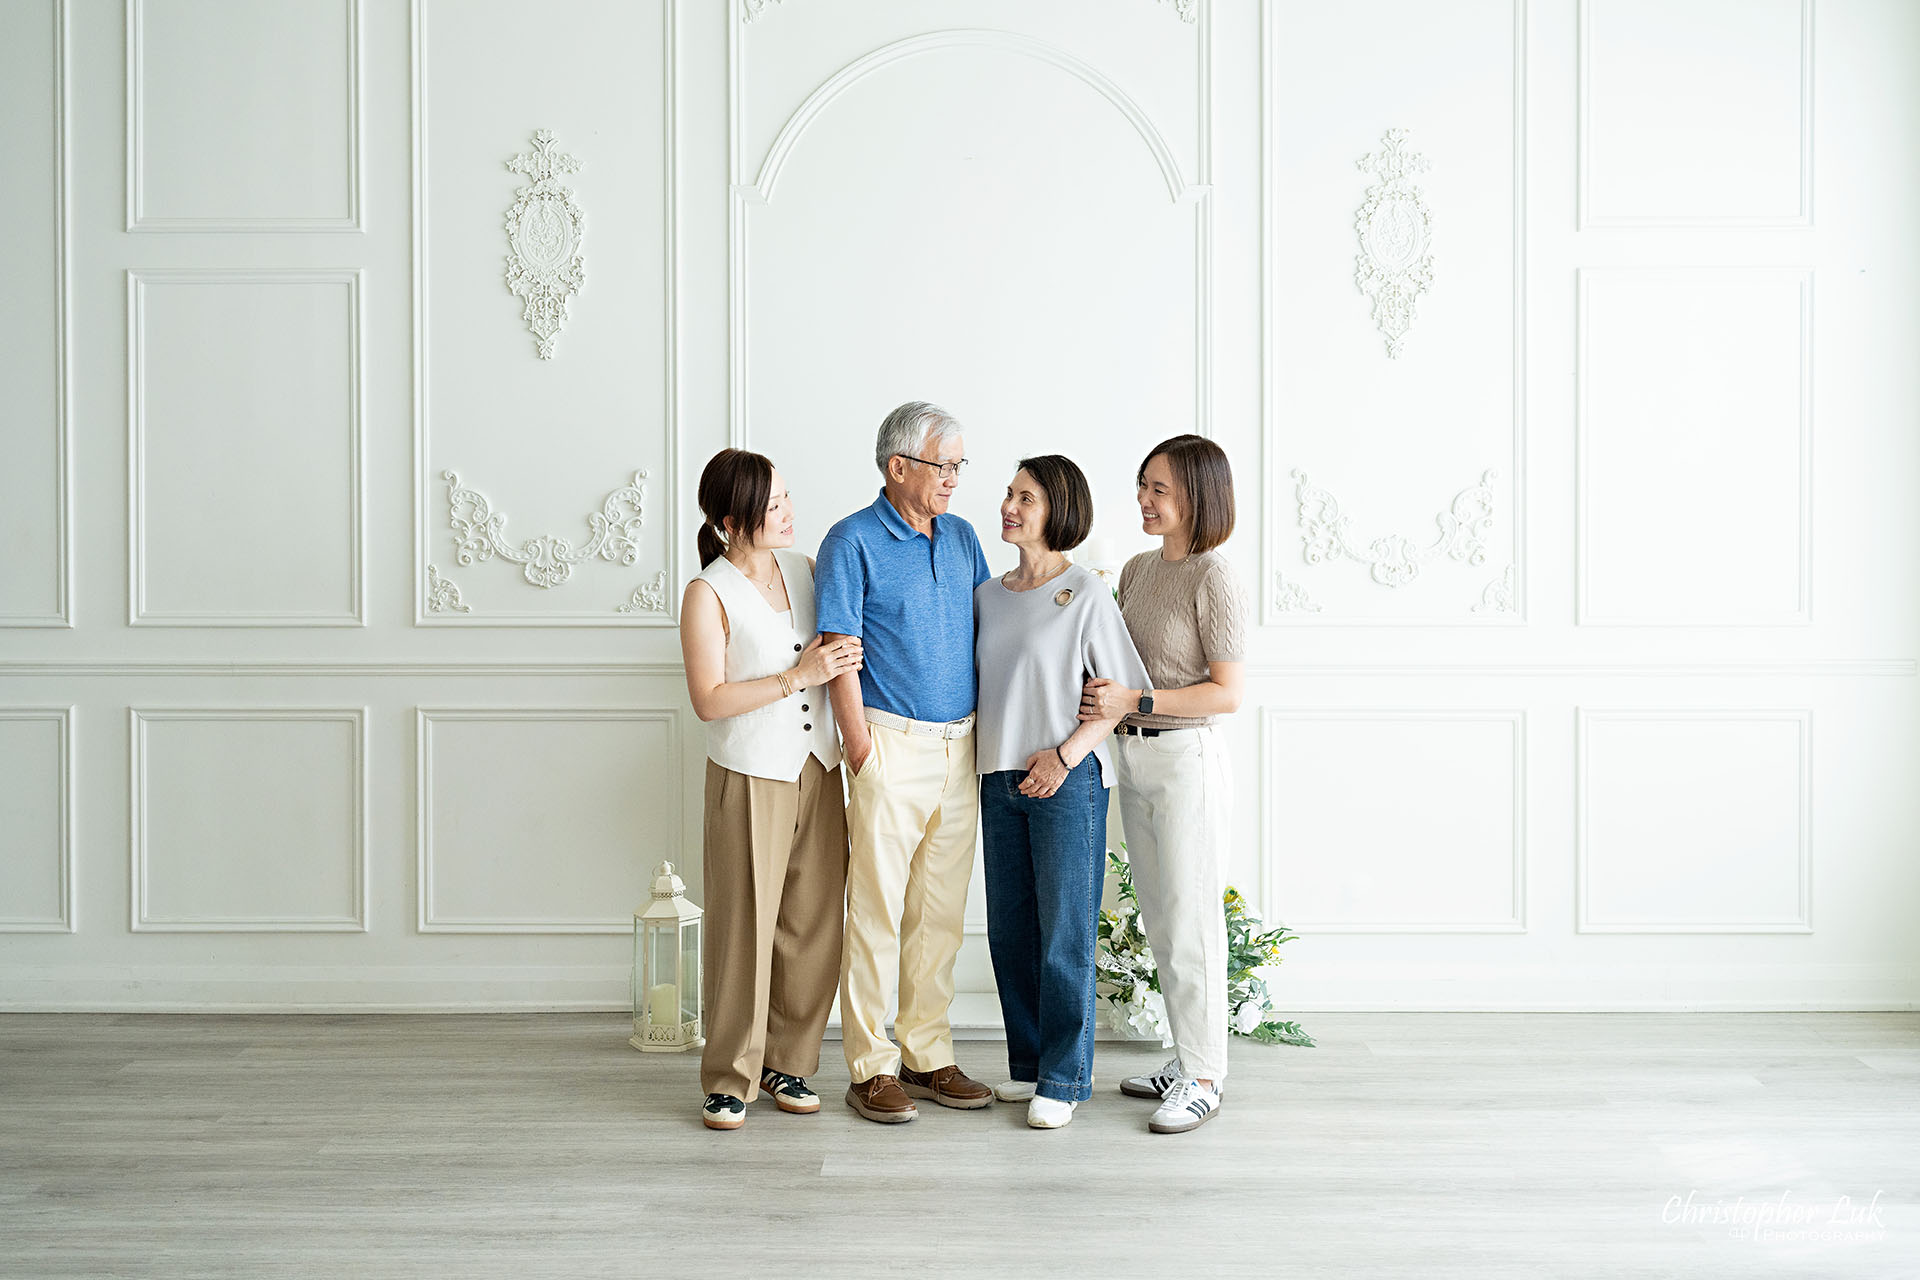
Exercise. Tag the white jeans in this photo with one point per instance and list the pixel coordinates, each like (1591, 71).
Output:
(1175, 807)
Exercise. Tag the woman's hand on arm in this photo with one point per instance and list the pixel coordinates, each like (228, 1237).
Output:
(1103, 699)
(1220, 694)
(825, 659)
(703, 651)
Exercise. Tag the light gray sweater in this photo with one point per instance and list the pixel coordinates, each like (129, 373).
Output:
(1033, 653)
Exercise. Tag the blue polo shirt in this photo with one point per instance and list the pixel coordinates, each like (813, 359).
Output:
(910, 600)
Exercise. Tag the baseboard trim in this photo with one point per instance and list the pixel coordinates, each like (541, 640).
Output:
(975, 1014)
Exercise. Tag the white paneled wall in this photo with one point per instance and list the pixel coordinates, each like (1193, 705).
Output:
(1562, 347)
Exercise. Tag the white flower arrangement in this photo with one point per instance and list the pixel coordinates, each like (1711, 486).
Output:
(1126, 976)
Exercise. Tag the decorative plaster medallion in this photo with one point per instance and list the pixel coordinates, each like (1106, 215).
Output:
(1291, 597)
(1498, 596)
(756, 7)
(544, 229)
(1394, 558)
(1185, 10)
(549, 559)
(648, 597)
(442, 596)
(1395, 263)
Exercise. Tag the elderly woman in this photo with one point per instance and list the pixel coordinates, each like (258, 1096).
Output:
(1042, 630)
(1187, 614)
(775, 838)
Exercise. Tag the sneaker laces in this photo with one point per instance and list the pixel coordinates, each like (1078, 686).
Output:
(1183, 1092)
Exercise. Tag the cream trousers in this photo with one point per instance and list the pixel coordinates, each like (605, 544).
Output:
(1175, 806)
(911, 815)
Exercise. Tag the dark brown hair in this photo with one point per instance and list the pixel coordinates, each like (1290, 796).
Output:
(736, 485)
(1069, 501)
(1200, 468)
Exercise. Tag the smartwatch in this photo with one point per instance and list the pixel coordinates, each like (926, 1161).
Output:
(1146, 702)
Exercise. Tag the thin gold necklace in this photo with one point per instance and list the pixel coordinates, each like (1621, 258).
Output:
(1007, 578)
(769, 584)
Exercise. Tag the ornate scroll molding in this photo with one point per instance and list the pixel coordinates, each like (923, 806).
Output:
(1498, 595)
(648, 597)
(549, 559)
(544, 229)
(757, 7)
(1291, 597)
(1395, 263)
(442, 595)
(1395, 559)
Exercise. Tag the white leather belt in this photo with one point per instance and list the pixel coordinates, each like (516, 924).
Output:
(925, 728)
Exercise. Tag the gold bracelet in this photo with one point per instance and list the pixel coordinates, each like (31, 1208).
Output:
(786, 686)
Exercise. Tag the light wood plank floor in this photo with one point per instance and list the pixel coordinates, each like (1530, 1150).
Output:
(1417, 1145)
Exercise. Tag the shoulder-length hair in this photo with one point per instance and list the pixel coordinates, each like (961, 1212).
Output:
(1201, 470)
(1069, 500)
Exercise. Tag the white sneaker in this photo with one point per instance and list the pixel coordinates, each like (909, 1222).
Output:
(1014, 1090)
(1048, 1113)
(1188, 1105)
(1157, 1084)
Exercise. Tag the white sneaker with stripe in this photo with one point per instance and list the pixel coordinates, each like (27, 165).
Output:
(1157, 1084)
(1188, 1105)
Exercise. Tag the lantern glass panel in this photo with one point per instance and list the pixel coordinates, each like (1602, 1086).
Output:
(690, 972)
(663, 1000)
(640, 973)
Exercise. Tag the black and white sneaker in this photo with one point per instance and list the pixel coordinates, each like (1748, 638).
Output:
(1157, 1084)
(789, 1093)
(1188, 1105)
(723, 1111)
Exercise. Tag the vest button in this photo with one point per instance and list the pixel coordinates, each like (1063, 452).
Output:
(796, 648)
(807, 727)
(805, 707)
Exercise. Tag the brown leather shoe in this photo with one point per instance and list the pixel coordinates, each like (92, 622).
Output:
(881, 1100)
(947, 1086)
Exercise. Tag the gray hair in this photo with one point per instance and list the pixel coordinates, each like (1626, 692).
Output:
(910, 426)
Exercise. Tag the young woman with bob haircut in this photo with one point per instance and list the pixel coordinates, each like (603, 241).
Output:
(1187, 614)
(774, 845)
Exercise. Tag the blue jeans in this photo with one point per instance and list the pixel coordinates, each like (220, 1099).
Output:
(1046, 861)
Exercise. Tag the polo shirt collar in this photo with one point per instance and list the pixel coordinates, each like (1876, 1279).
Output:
(896, 524)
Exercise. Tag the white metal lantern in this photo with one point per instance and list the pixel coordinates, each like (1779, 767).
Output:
(666, 969)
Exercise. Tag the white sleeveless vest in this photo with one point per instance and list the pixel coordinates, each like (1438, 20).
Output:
(774, 741)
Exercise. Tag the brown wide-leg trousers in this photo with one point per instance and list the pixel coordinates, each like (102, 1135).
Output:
(775, 868)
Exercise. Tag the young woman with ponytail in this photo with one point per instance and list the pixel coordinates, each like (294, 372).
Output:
(775, 839)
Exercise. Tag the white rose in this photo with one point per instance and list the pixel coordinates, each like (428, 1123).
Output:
(1156, 1010)
(1248, 1017)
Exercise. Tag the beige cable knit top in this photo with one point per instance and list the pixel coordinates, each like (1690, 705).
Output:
(1182, 614)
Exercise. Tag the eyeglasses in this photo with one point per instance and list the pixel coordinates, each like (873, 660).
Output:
(947, 470)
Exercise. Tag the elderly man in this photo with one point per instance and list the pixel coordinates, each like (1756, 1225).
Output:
(900, 575)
